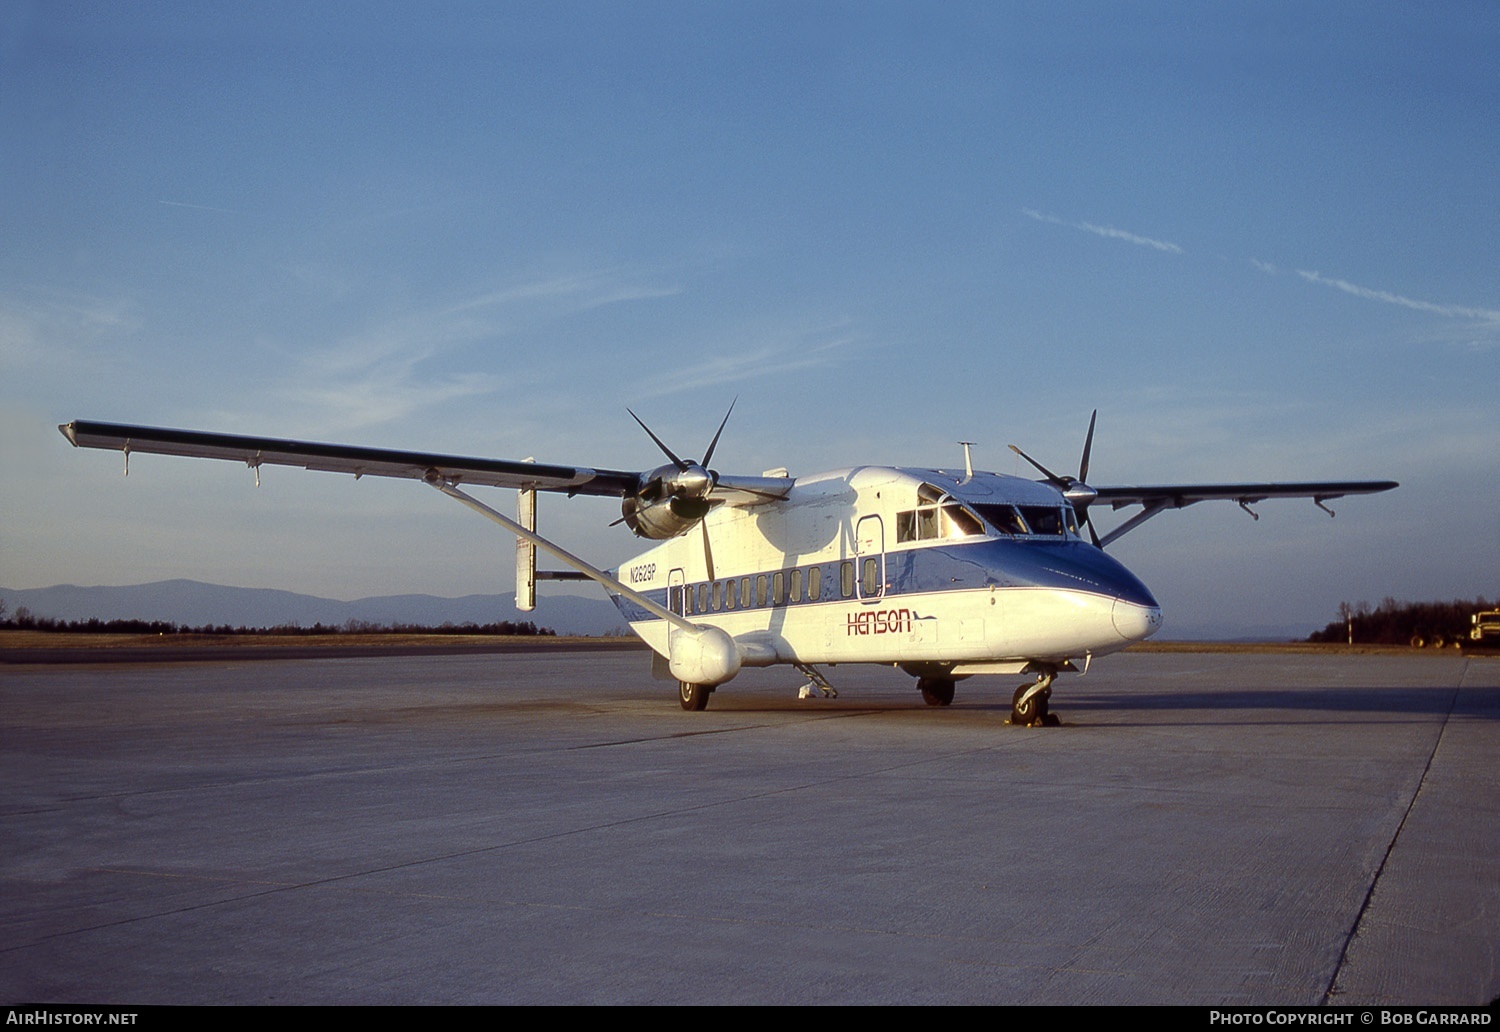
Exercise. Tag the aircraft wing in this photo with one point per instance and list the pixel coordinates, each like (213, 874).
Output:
(1158, 498)
(1175, 496)
(338, 458)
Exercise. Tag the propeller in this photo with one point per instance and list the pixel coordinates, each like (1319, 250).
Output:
(691, 481)
(672, 498)
(1074, 489)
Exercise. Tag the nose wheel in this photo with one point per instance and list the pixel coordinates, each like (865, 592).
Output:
(1028, 706)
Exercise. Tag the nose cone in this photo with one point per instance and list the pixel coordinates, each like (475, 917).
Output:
(1134, 621)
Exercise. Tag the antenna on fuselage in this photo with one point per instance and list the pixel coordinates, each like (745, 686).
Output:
(968, 462)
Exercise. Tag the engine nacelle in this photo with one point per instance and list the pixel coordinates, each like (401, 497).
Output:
(670, 501)
(663, 519)
(707, 656)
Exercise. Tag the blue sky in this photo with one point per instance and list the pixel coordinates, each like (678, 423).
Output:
(1262, 239)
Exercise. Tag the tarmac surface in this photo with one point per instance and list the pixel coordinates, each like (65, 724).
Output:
(551, 828)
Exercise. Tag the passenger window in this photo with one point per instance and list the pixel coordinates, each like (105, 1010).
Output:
(717, 596)
(814, 582)
(869, 584)
(760, 589)
(744, 592)
(778, 588)
(846, 578)
(729, 594)
(796, 586)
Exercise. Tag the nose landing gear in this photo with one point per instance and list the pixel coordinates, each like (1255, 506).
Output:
(1028, 707)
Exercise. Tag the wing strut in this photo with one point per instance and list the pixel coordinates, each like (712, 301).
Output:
(592, 572)
(1150, 510)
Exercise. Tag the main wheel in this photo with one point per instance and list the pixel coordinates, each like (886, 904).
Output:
(1028, 711)
(936, 691)
(693, 697)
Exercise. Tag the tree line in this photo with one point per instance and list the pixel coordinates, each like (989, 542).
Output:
(23, 619)
(1400, 623)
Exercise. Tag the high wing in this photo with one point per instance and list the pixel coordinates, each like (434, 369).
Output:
(337, 458)
(1156, 498)
(255, 452)
(658, 503)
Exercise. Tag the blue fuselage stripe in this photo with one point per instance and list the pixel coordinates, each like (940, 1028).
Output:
(969, 566)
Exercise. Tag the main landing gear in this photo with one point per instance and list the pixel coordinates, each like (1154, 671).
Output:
(694, 697)
(816, 683)
(1028, 707)
(936, 691)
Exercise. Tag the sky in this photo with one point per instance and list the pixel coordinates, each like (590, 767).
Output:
(1262, 239)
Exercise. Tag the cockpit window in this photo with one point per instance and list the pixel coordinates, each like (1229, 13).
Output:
(936, 516)
(1003, 518)
(1043, 519)
(960, 522)
(1040, 520)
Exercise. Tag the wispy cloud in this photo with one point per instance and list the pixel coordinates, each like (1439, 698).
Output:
(56, 329)
(592, 290)
(406, 365)
(389, 386)
(1489, 315)
(385, 396)
(742, 364)
(385, 375)
(1109, 232)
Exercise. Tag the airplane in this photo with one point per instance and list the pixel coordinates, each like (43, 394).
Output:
(944, 573)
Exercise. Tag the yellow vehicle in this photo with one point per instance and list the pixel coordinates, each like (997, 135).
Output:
(1486, 627)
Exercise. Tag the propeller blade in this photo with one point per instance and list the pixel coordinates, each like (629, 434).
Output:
(1077, 491)
(1053, 477)
(668, 451)
(708, 552)
(1088, 446)
(709, 455)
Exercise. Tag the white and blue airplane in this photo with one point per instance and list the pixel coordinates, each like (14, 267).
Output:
(943, 573)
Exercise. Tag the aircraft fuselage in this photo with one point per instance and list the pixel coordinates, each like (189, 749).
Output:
(942, 573)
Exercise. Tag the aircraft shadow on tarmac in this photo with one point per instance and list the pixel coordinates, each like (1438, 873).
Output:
(1279, 705)
(1407, 700)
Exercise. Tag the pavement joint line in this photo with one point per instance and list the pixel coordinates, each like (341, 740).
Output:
(1364, 906)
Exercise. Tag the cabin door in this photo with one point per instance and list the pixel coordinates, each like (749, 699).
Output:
(869, 559)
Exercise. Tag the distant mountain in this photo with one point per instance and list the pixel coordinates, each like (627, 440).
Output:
(193, 603)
